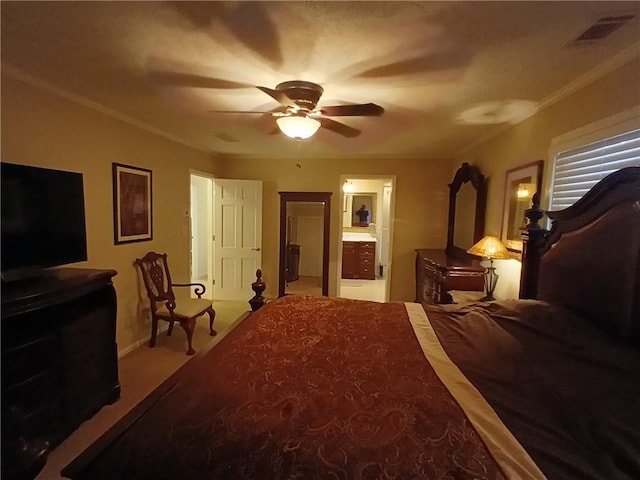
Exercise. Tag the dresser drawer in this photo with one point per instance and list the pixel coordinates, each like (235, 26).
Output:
(367, 267)
(27, 395)
(367, 272)
(364, 260)
(28, 360)
(368, 255)
(467, 281)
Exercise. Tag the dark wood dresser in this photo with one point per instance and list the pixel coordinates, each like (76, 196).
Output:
(437, 273)
(59, 353)
(359, 260)
(293, 262)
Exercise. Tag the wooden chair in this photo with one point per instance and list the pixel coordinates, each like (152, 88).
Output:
(164, 306)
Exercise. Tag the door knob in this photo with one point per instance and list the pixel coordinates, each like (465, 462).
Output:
(256, 249)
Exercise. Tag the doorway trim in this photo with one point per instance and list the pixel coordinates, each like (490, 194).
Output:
(205, 208)
(313, 197)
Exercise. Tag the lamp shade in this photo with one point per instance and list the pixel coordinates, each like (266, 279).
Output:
(489, 247)
(298, 127)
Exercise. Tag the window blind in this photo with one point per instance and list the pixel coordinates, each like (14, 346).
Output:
(578, 169)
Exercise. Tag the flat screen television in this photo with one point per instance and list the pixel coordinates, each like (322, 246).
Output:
(43, 222)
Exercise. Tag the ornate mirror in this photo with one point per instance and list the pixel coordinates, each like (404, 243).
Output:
(467, 205)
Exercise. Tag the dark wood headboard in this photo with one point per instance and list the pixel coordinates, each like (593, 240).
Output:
(589, 261)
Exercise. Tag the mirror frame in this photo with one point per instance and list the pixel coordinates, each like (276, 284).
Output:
(313, 197)
(466, 173)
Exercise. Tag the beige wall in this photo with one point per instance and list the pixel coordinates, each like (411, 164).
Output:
(531, 140)
(421, 206)
(42, 129)
(45, 130)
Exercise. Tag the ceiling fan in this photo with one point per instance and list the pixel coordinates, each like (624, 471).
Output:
(298, 115)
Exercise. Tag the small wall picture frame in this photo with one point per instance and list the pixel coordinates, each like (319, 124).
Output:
(521, 183)
(132, 204)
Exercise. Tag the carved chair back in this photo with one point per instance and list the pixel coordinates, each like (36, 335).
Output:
(157, 279)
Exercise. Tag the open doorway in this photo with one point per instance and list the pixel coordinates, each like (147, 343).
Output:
(304, 243)
(305, 230)
(201, 216)
(366, 237)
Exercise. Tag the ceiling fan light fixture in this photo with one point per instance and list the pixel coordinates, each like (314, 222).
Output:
(298, 127)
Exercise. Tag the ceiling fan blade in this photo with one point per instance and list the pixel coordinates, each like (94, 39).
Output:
(279, 109)
(191, 80)
(363, 109)
(279, 96)
(240, 111)
(340, 128)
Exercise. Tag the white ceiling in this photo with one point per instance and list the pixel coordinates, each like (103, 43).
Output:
(433, 66)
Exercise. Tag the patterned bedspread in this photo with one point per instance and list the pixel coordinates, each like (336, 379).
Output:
(308, 387)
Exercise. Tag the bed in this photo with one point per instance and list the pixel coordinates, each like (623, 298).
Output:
(546, 386)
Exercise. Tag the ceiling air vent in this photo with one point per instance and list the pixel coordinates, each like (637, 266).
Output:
(604, 27)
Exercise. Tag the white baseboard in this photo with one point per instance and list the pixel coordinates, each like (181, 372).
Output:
(164, 326)
(161, 329)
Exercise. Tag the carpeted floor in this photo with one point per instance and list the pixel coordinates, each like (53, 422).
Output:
(140, 372)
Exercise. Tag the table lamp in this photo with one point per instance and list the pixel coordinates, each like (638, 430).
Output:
(490, 247)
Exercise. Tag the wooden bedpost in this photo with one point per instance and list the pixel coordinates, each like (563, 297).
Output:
(532, 242)
(258, 287)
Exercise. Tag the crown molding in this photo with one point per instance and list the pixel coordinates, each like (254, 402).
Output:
(40, 84)
(612, 64)
(329, 158)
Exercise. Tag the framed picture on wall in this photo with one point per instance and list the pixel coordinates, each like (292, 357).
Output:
(132, 209)
(520, 185)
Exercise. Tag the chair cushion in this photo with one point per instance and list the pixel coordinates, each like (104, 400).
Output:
(186, 307)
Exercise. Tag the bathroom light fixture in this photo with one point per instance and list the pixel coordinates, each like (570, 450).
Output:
(347, 187)
(299, 127)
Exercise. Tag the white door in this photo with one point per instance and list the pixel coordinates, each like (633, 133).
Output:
(238, 237)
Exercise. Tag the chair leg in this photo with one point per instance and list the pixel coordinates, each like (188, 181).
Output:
(170, 329)
(189, 325)
(154, 331)
(212, 317)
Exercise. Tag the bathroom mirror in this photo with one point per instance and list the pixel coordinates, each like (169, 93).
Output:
(363, 209)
